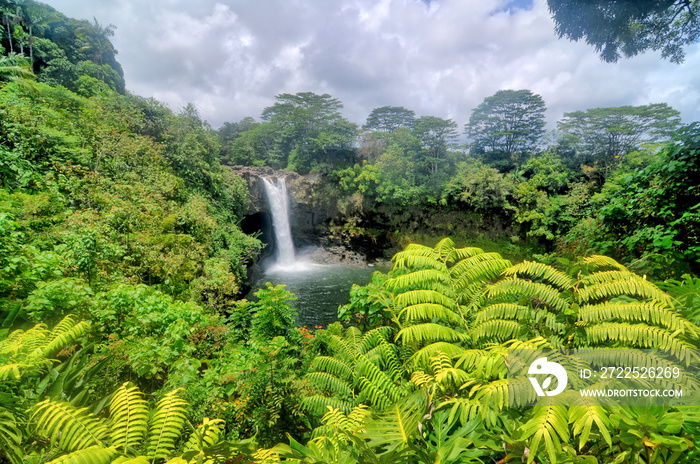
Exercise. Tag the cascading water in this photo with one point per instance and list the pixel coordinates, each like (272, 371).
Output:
(319, 288)
(277, 196)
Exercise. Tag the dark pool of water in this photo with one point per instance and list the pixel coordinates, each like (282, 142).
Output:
(319, 288)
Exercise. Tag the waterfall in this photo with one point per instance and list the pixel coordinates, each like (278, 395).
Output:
(277, 196)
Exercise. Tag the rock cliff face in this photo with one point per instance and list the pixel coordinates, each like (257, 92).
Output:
(308, 210)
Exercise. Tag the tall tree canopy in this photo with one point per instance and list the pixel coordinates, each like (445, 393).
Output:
(389, 119)
(436, 135)
(603, 135)
(507, 125)
(625, 28)
(313, 130)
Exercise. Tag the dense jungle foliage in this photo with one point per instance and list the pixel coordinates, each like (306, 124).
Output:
(124, 338)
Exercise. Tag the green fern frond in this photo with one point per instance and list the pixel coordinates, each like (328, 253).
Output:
(134, 460)
(353, 336)
(490, 365)
(493, 395)
(72, 428)
(342, 347)
(335, 419)
(425, 333)
(69, 332)
(420, 358)
(446, 376)
(372, 394)
(444, 248)
(414, 297)
(548, 426)
(91, 455)
(430, 312)
(325, 381)
(541, 271)
(583, 415)
(10, 437)
(372, 377)
(501, 311)
(468, 359)
(12, 371)
(462, 408)
(333, 366)
(373, 338)
(609, 276)
(166, 425)
(386, 357)
(524, 288)
(631, 286)
(394, 429)
(652, 313)
(428, 279)
(459, 254)
(129, 415)
(520, 392)
(206, 435)
(403, 260)
(479, 268)
(358, 416)
(535, 343)
(319, 403)
(599, 261)
(268, 456)
(495, 330)
(635, 335)
(420, 379)
(525, 315)
(439, 362)
(24, 342)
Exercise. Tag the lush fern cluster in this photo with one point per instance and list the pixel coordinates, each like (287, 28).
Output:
(457, 313)
(132, 433)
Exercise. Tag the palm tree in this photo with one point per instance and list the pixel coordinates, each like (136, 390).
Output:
(97, 44)
(33, 21)
(9, 19)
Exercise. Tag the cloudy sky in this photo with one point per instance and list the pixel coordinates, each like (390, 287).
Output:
(441, 57)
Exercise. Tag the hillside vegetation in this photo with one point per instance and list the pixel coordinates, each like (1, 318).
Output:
(124, 338)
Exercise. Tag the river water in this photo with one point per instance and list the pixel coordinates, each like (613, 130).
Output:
(319, 288)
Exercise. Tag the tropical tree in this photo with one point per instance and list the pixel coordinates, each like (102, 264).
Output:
(604, 135)
(34, 19)
(311, 129)
(506, 126)
(227, 135)
(97, 44)
(389, 118)
(654, 216)
(436, 136)
(9, 19)
(618, 29)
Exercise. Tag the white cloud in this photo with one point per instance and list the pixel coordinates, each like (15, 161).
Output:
(231, 57)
